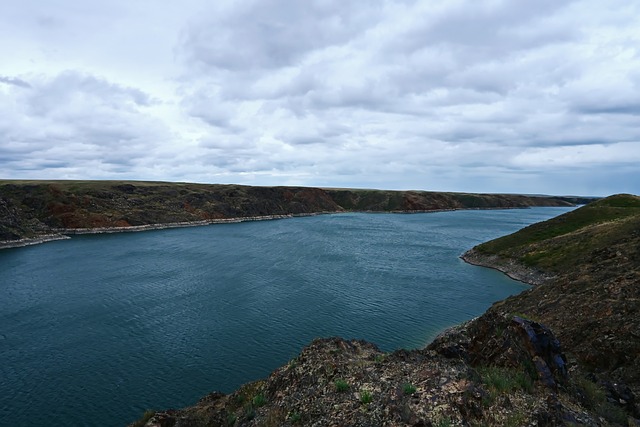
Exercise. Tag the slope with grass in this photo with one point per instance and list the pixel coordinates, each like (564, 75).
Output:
(37, 209)
(587, 266)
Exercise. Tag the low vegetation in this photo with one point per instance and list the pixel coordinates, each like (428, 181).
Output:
(341, 385)
(563, 242)
(29, 209)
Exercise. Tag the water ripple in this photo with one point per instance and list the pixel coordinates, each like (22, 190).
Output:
(95, 329)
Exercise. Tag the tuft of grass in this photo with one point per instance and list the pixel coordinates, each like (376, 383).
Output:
(595, 398)
(341, 385)
(504, 380)
(295, 417)
(231, 420)
(366, 397)
(249, 412)
(259, 400)
(516, 419)
(408, 388)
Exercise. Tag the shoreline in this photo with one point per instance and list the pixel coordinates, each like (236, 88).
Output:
(509, 267)
(30, 241)
(64, 233)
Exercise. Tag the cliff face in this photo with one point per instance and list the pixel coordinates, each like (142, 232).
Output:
(32, 209)
(505, 368)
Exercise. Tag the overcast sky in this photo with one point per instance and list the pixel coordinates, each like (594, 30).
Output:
(514, 96)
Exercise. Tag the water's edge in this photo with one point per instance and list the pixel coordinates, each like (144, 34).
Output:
(64, 233)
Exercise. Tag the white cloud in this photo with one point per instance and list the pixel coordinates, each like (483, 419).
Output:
(461, 95)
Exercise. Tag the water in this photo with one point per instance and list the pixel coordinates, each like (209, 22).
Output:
(96, 329)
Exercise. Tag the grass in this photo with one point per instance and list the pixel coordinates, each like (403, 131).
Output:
(559, 243)
(249, 412)
(408, 388)
(595, 397)
(610, 209)
(231, 420)
(341, 385)
(366, 397)
(501, 380)
(295, 417)
(259, 400)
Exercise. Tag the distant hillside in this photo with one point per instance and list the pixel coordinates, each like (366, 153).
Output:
(32, 209)
(587, 264)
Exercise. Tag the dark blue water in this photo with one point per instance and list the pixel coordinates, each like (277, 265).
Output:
(96, 329)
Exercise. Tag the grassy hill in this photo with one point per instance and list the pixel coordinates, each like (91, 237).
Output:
(557, 244)
(589, 262)
(29, 209)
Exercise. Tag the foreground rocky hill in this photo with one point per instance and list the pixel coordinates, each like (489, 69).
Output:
(32, 211)
(587, 264)
(505, 368)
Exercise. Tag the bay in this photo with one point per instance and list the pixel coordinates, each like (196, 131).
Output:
(96, 329)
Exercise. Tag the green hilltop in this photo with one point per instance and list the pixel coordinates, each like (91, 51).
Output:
(561, 243)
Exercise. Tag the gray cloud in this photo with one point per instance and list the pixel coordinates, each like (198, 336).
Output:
(73, 120)
(15, 82)
(467, 96)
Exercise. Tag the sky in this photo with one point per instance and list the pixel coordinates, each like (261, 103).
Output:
(499, 96)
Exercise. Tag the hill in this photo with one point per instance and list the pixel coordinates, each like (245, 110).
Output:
(33, 211)
(562, 353)
(587, 266)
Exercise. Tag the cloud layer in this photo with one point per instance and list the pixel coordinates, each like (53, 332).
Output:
(493, 96)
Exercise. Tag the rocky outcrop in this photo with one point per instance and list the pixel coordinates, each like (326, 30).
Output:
(334, 382)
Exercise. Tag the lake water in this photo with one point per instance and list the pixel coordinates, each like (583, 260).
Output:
(96, 329)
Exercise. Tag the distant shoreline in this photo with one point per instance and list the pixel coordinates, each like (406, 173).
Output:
(30, 241)
(64, 233)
